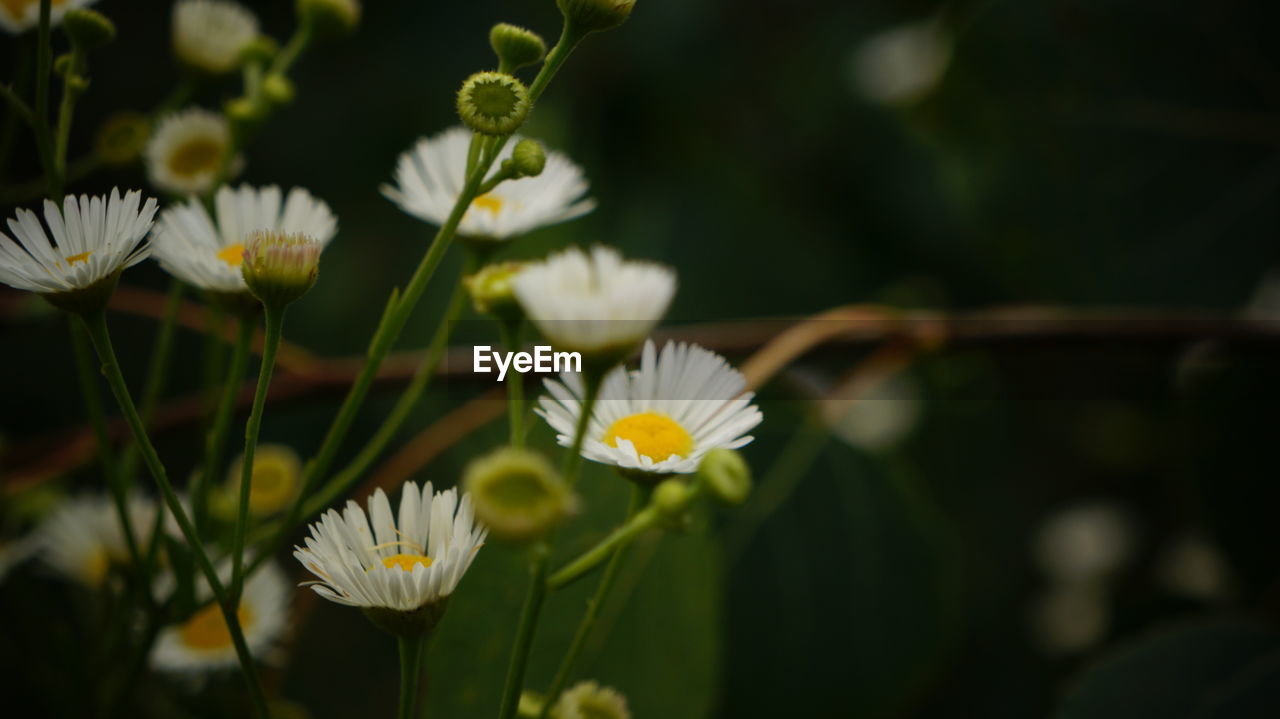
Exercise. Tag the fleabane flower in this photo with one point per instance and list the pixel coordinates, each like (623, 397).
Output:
(660, 419)
(430, 175)
(595, 303)
(203, 642)
(211, 35)
(93, 240)
(193, 248)
(279, 268)
(590, 700)
(186, 151)
(399, 571)
(18, 16)
(82, 538)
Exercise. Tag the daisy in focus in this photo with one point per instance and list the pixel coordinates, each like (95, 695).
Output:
(389, 564)
(82, 538)
(195, 249)
(431, 174)
(597, 303)
(660, 419)
(19, 16)
(211, 35)
(93, 239)
(203, 641)
(187, 150)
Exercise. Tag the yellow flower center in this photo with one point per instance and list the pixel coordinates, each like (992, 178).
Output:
(654, 435)
(406, 562)
(207, 630)
(83, 256)
(232, 254)
(272, 486)
(18, 8)
(197, 155)
(488, 202)
(95, 568)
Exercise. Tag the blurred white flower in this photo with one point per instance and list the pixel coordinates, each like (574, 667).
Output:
(186, 151)
(902, 65)
(1070, 618)
(211, 35)
(878, 418)
(1084, 543)
(1191, 566)
(203, 641)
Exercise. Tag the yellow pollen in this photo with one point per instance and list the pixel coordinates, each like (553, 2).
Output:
(489, 202)
(654, 435)
(406, 562)
(206, 629)
(198, 155)
(232, 254)
(71, 260)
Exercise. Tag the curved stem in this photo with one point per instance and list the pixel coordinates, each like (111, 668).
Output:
(639, 495)
(293, 50)
(275, 326)
(216, 440)
(637, 522)
(573, 458)
(66, 111)
(96, 324)
(410, 673)
(157, 371)
(570, 36)
(524, 632)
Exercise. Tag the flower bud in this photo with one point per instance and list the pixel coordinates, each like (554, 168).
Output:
(88, 29)
(517, 494)
(589, 700)
(491, 290)
(280, 268)
(493, 103)
(261, 49)
(726, 475)
(672, 498)
(528, 159)
(278, 89)
(330, 17)
(515, 46)
(593, 15)
(122, 138)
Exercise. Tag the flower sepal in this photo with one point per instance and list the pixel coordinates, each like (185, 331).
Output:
(410, 624)
(86, 300)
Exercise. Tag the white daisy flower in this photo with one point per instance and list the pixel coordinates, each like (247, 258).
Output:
(211, 35)
(431, 174)
(82, 537)
(191, 247)
(660, 419)
(589, 700)
(186, 150)
(18, 16)
(377, 562)
(93, 238)
(203, 641)
(594, 303)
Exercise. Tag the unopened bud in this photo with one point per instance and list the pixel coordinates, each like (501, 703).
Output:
(672, 498)
(278, 89)
(492, 292)
(726, 475)
(122, 138)
(261, 50)
(279, 268)
(515, 46)
(591, 700)
(330, 17)
(517, 494)
(594, 15)
(528, 158)
(493, 103)
(88, 29)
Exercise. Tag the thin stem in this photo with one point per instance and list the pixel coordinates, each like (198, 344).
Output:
(293, 50)
(97, 419)
(570, 36)
(639, 495)
(176, 98)
(20, 108)
(573, 458)
(524, 632)
(275, 326)
(96, 324)
(157, 370)
(515, 384)
(44, 63)
(636, 524)
(410, 673)
(216, 440)
(66, 110)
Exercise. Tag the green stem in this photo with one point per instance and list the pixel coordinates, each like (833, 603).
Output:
(639, 496)
(216, 440)
(275, 326)
(66, 110)
(511, 332)
(96, 324)
(157, 370)
(97, 419)
(20, 108)
(573, 458)
(570, 36)
(44, 64)
(293, 50)
(176, 98)
(525, 631)
(410, 673)
(637, 522)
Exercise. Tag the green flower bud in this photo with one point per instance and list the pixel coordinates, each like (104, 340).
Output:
(280, 268)
(727, 475)
(593, 15)
(278, 89)
(528, 158)
(492, 293)
(261, 50)
(330, 17)
(493, 103)
(517, 494)
(122, 138)
(515, 46)
(88, 29)
(673, 498)
(244, 114)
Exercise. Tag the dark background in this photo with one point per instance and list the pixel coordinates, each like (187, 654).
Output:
(1117, 155)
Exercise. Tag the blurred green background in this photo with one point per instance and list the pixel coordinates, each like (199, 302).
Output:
(786, 156)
